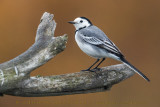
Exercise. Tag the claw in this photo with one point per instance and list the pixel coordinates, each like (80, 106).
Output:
(96, 69)
(93, 70)
(88, 70)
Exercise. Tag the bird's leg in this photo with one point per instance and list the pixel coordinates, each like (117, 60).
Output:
(89, 69)
(99, 64)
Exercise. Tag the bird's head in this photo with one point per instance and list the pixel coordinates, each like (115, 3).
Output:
(81, 22)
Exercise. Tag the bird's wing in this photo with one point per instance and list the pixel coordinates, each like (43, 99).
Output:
(105, 44)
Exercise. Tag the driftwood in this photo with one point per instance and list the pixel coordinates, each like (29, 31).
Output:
(15, 74)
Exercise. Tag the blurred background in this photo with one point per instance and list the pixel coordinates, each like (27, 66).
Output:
(133, 25)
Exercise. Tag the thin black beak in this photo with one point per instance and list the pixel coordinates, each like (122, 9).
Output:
(72, 22)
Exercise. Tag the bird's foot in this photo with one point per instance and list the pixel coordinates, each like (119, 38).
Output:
(93, 70)
(88, 70)
(96, 69)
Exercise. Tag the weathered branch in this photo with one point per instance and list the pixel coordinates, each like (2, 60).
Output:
(75, 83)
(45, 48)
(15, 79)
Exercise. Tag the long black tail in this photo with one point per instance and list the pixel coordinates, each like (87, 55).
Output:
(133, 68)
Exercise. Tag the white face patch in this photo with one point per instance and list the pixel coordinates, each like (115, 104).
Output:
(81, 23)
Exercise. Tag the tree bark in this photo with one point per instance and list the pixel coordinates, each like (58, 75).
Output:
(15, 74)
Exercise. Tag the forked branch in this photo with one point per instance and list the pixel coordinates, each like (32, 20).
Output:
(15, 74)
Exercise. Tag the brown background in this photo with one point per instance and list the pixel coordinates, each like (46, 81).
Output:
(133, 25)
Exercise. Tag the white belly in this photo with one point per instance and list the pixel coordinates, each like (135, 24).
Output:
(91, 50)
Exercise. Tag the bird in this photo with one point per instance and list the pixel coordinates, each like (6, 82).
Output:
(95, 43)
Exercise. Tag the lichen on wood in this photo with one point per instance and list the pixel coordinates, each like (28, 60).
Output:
(15, 74)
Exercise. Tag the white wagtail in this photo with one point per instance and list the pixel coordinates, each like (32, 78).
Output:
(96, 44)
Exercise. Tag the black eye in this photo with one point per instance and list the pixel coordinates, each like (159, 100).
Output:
(81, 21)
